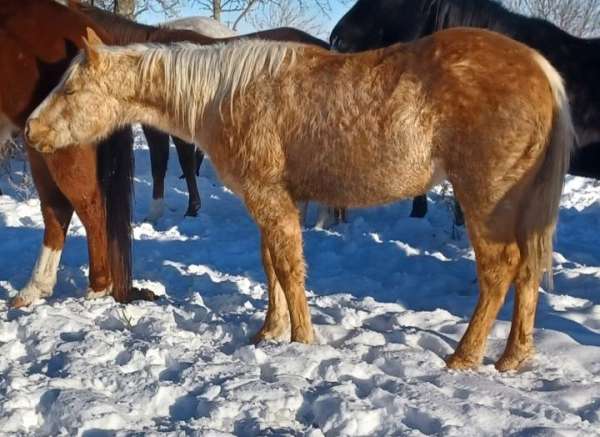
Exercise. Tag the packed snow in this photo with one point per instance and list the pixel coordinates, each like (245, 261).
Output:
(390, 297)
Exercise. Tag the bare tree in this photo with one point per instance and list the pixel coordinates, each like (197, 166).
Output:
(578, 17)
(134, 8)
(286, 13)
(240, 10)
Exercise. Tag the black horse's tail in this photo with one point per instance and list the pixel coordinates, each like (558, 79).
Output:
(115, 161)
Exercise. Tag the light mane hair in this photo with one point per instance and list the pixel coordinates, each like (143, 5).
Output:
(196, 76)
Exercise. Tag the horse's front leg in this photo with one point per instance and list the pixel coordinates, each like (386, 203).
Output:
(277, 216)
(158, 143)
(277, 321)
(188, 160)
(57, 213)
(85, 194)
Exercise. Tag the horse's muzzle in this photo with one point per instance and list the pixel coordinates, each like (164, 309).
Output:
(37, 135)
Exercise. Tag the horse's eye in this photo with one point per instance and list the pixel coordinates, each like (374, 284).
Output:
(68, 91)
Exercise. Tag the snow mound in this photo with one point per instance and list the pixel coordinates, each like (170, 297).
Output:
(390, 297)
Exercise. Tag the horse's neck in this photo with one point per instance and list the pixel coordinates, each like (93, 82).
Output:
(122, 30)
(534, 32)
(152, 101)
(468, 13)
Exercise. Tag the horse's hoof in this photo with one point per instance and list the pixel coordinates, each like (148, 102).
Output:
(458, 362)
(513, 361)
(271, 334)
(303, 337)
(19, 302)
(143, 294)
(91, 294)
(417, 214)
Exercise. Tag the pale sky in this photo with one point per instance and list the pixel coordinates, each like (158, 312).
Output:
(335, 15)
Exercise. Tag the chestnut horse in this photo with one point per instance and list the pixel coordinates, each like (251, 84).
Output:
(287, 122)
(38, 39)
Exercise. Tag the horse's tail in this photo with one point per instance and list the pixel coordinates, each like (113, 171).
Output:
(538, 221)
(116, 171)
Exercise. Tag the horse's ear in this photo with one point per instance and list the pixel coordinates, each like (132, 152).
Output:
(92, 38)
(91, 43)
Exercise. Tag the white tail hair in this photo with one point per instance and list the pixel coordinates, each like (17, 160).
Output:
(196, 76)
(539, 219)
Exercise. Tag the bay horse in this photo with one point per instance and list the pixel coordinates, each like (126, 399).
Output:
(38, 39)
(289, 122)
(378, 23)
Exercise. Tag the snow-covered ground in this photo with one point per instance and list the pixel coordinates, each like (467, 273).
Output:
(390, 297)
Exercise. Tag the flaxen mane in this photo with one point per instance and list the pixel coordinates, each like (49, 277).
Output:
(203, 75)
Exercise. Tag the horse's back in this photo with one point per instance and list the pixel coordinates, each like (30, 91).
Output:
(405, 116)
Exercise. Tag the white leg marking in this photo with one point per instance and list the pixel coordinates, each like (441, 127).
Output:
(91, 294)
(157, 210)
(325, 219)
(43, 278)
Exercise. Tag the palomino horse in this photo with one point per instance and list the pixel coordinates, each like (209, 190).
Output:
(378, 23)
(125, 31)
(286, 122)
(38, 39)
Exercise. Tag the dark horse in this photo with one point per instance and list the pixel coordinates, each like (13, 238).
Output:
(125, 32)
(378, 23)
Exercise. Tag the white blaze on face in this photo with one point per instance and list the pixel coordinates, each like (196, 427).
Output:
(43, 278)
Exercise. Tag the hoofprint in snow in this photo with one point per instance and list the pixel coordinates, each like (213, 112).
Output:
(390, 297)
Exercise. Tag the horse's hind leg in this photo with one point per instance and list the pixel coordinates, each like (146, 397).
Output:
(278, 218)
(188, 160)
(57, 213)
(497, 263)
(419, 206)
(520, 341)
(277, 320)
(158, 143)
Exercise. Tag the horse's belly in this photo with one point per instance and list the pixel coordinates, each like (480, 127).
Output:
(368, 186)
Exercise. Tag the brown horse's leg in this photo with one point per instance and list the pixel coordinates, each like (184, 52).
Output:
(158, 143)
(75, 171)
(277, 321)
(277, 216)
(186, 153)
(496, 267)
(57, 212)
(520, 341)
